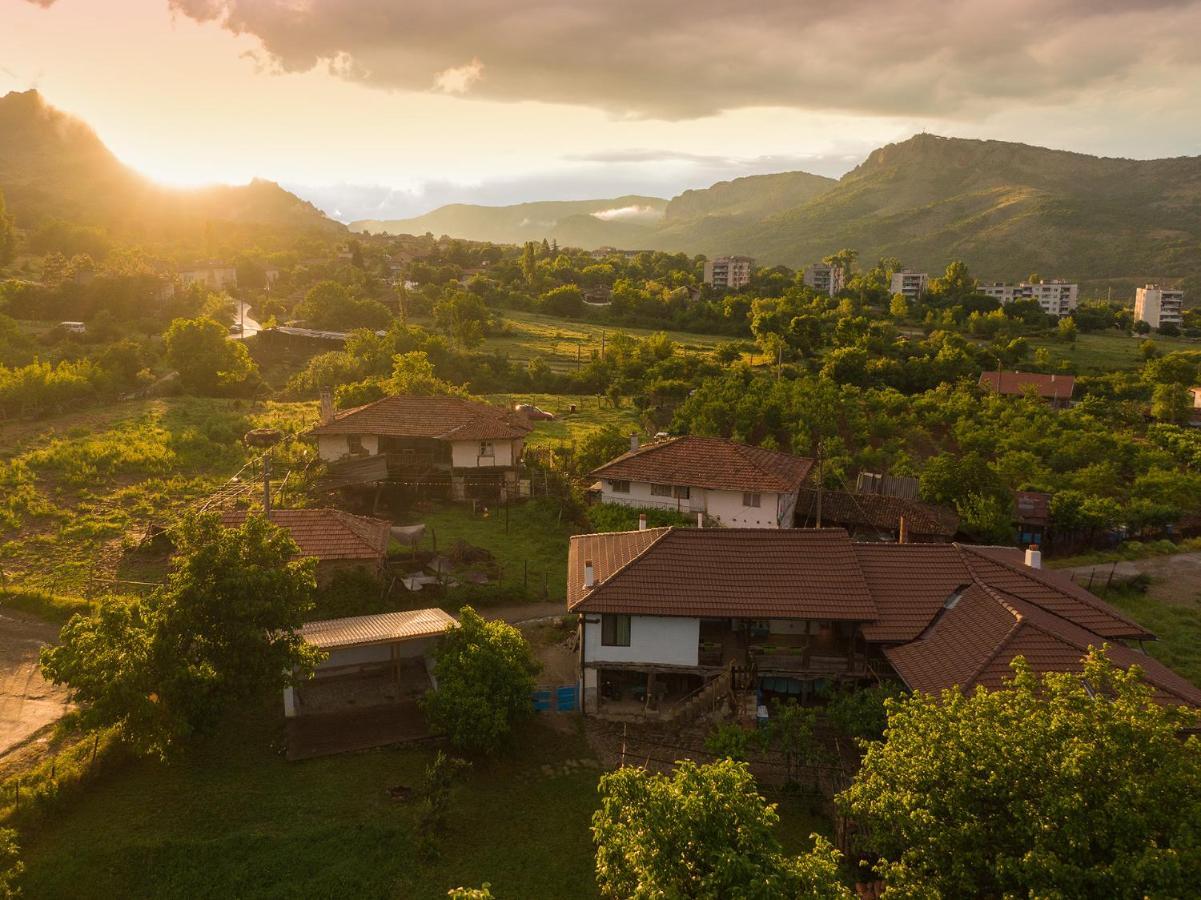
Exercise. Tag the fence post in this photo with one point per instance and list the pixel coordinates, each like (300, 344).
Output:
(525, 574)
(545, 588)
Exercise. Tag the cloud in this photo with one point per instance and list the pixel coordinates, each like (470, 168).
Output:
(633, 212)
(458, 79)
(676, 59)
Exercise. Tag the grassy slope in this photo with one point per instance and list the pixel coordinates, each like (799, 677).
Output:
(1176, 625)
(1094, 354)
(555, 340)
(231, 818)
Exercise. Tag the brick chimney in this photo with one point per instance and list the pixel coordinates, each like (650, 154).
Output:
(642, 521)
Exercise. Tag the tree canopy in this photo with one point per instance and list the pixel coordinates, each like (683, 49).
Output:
(207, 361)
(1064, 785)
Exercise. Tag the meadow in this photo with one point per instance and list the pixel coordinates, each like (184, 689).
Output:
(1097, 353)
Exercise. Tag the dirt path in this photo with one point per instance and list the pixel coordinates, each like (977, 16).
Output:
(27, 701)
(524, 612)
(1174, 579)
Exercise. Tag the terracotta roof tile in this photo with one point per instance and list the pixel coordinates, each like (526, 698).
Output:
(383, 628)
(440, 418)
(1016, 384)
(909, 582)
(712, 463)
(327, 534)
(755, 573)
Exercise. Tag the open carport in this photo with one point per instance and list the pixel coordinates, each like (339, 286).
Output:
(366, 692)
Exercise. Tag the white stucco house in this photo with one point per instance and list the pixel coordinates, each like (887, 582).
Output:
(471, 447)
(734, 484)
(668, 617)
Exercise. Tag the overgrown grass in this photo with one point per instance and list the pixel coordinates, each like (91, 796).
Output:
(1127, 551)
(616, 517)
(52, 607)
(1177, 626)
(1096, 353)
(528, 540)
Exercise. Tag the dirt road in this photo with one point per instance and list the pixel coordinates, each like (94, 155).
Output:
(27, 701)
(1174, 579)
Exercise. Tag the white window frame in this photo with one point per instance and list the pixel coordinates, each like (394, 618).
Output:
(487, 449)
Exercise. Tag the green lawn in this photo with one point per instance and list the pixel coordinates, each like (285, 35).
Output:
(1095, 353)
(232, 818)
(1176, 625)
(592, 413)
(529, 541)
(557, 340)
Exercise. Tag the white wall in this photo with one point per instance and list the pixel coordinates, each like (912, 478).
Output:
(727, 508)
(466, 454)
(724, 506)
(663, 640)
(331, 447)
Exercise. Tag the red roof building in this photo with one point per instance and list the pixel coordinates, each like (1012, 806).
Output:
(1055, 389)
(336, 539)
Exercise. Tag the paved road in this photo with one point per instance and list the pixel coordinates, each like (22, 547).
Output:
(27, 701)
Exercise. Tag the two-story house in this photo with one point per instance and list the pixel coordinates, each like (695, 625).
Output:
(471, 448)
(734, 484)
(666, 613)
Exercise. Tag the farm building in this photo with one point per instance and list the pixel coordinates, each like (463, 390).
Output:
(336, 539)
(366, 692)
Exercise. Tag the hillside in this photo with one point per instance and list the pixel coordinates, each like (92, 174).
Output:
(1008, 209)
(587, 223)
(53, 166)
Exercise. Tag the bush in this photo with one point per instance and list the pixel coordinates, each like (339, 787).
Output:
(615, 517)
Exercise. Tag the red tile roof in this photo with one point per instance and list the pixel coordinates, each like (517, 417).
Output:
(327, 534)
(440, 418)
(713, 463)
(1032, 507)
(877, 511)
(1016, 384)
(747, 572)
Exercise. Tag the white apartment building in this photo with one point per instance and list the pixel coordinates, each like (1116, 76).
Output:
(1158, 306)
(729, 271)
(824, 279)
(911, 284)
(1057, 298)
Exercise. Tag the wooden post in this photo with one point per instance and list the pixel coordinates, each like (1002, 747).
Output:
(525, 573)
(545, 589)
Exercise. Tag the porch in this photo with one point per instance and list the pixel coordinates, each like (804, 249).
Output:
(784, 646)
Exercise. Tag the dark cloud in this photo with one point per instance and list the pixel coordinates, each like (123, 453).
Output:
(689, 58)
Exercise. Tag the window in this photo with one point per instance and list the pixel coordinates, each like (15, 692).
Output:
(660, 490)
(620, 487)
(486, 448)
(682, 492)
(749, 499)
(354, 443)
(615, 631)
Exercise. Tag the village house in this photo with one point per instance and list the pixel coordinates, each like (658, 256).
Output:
(668, 615)
(338, 540)
(213, 275)
(433, 444)
(1056, 390)
(734, 484)
(877, 517)
(367, 690)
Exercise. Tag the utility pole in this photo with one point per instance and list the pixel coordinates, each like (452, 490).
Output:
(820, 477)
(267, 486)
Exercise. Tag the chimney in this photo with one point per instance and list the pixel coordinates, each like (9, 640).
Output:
(700, 520)
(633, 442)
(642, 521)
(903, 532)
(327, 406)
(589, 575)
(1034, 558)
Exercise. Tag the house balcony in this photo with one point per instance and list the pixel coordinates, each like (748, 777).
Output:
(828, 651)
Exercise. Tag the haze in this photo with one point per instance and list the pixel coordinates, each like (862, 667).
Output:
(373, 109)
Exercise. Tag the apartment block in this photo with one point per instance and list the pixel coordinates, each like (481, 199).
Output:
(824, 279)
(1057, 298)
(1158, 306)
(729, 271)
(911, 284)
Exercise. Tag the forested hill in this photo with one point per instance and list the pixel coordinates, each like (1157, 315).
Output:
(1008, 209)
(53, 166)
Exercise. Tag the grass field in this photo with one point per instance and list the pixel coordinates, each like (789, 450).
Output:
(592, 413)
(1176, 625)
(560, 341)
(232, 818)
(1093, 353)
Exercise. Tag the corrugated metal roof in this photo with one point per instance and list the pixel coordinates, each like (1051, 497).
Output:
(382, 628)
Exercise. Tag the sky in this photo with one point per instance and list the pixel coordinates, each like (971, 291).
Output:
(383, 108)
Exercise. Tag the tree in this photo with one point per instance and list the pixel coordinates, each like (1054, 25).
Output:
(462, 316)
(11, 866)
(598, 447)
(1064, 785)
(485, 675)
(329, 304)
(703, 832)
(790, 731)
(529, 263)
(1067, 329)
(898, 306)
(221, 631)
(207, 361)
(565, 300)
(413, 375)
(1171, 403)
(955, 284)
(8, 235)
